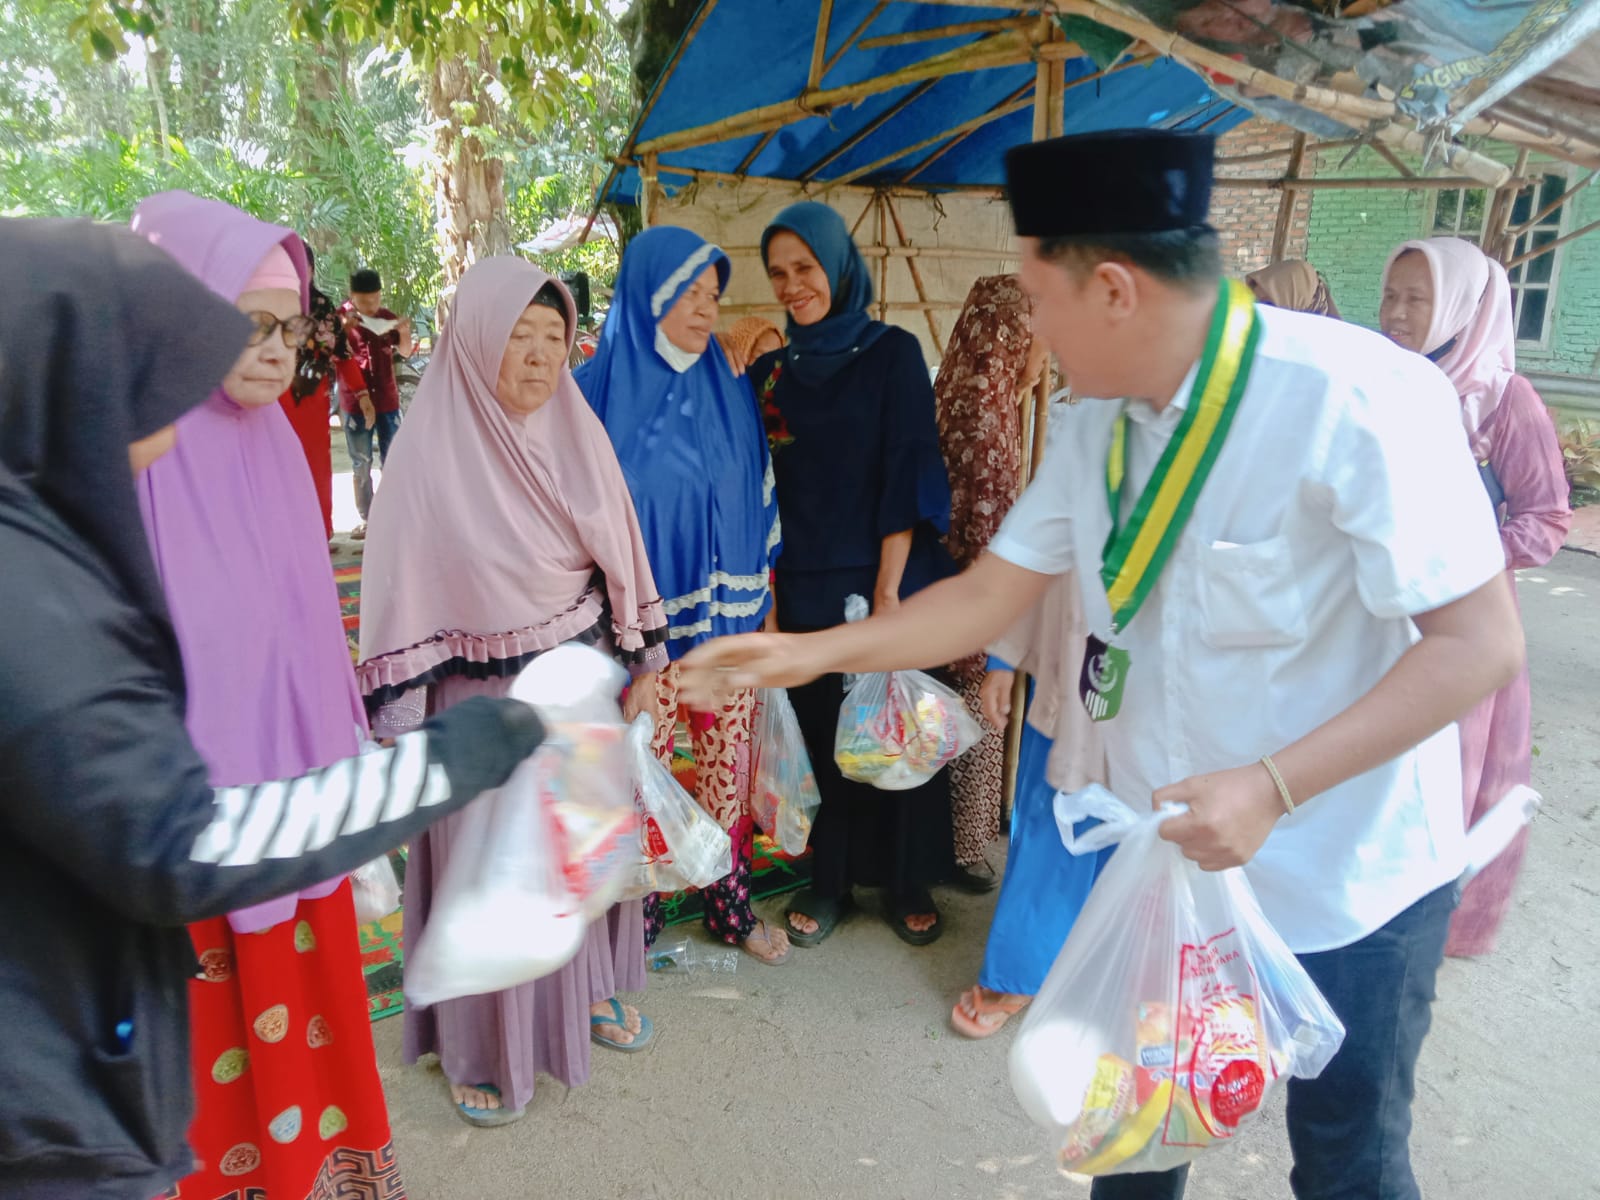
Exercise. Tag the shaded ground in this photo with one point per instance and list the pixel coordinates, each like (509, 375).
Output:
(837, 1077)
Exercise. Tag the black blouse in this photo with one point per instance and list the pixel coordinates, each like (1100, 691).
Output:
(856, 459)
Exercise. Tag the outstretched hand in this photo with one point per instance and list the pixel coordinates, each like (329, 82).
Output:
(1230, 815)
(713, 673)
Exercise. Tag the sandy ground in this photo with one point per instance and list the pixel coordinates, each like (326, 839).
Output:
(837, 1076)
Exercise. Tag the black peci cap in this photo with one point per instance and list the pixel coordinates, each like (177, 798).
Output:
(365, 281)
(1120, 182)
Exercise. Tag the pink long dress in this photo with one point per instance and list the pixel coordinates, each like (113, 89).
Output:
(1497, 736)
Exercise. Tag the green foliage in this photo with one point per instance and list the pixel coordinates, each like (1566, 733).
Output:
(311, 113)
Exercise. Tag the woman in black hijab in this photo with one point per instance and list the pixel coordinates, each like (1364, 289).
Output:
(111, 838)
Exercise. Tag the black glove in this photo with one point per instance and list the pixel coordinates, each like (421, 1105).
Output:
(480, 742)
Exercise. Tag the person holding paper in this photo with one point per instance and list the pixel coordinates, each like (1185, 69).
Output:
(368, 393)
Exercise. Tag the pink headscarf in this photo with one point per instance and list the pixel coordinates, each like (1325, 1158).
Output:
(1472, 305)
(236, 534)
(486, 536)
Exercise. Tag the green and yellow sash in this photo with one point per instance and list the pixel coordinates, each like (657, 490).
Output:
(1135, 553)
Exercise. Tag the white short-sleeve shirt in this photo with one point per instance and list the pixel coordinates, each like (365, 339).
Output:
(1344, 501)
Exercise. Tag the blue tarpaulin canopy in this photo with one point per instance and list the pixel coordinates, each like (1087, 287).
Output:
(928, 94)
(925, 95)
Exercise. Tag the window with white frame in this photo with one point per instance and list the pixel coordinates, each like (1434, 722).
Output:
(1463, 213)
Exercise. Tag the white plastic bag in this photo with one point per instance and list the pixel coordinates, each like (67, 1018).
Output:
(532, 863)
(375, 890)
(1172, 1011)
(897, 731)
(680, 845)
(783, 796)
(502, 915)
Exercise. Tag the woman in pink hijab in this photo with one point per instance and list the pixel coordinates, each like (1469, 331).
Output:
(1448, 300)
(504, 529)
(286, 1080)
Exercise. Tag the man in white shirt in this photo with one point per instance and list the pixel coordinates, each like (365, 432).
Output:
(1303, 591)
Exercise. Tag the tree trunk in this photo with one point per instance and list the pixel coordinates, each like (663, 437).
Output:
(469, 185)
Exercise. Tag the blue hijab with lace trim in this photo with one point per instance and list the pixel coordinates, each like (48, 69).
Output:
(692, 448)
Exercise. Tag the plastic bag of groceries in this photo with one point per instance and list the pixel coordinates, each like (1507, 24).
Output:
(898, 730)
(680, 845)
(375, 890)
(783, 796)
(531, 864)
(1172, 1011)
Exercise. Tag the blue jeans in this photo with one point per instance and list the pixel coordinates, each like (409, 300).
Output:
(358, 441)
(1350, 1127)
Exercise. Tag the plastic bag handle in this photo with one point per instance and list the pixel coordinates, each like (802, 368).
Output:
(1116, 819)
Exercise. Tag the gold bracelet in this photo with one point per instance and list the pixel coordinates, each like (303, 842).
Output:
(1283, 788)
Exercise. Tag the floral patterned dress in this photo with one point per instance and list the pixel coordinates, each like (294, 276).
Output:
(980, 432)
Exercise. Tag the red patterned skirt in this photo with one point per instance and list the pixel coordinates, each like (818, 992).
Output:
(288, 1101)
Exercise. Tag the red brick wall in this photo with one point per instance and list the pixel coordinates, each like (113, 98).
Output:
(1247, 217)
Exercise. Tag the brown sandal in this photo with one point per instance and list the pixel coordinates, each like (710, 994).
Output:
(976, 1027)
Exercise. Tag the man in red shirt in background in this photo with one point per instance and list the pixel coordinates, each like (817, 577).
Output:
(367, 392)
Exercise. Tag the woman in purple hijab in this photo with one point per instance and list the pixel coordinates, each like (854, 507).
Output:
(285, 1076)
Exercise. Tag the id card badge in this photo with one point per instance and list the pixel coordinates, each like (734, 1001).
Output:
(1104, 674)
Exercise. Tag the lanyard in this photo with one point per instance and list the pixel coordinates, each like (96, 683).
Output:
(1135, 553)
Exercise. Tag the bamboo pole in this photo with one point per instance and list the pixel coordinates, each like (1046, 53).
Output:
(907, 250)
(871, 127)
(872, 199)
(883, 267)
(1421, 183)
(939, 33)
(1549, 246)
(898, 306)
(1393, 159)
(647, 189)
(910, 193)
(1001, 50)
(1553, 205)
(1280, 231)
(1496, 243)
(1486, 171)
(916, 275)
(922, 166)
(819, 45)
(855, 35)
(749, 159)
(955, 130)
(1312, 96)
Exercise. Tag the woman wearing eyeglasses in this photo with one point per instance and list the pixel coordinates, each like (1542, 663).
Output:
(287, 1087)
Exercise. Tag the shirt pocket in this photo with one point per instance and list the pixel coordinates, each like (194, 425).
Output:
(1248, 595)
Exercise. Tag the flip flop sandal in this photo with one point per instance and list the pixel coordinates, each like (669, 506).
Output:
(488, 1118)
(979, 879)
(620, 1020)
(901, 909)
(976, 1027)
(825, 912)
(763, 933)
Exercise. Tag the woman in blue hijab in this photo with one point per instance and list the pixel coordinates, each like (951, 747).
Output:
(850, 418)
(688, 436)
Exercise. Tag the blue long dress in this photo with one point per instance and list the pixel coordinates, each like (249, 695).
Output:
(1044, 887)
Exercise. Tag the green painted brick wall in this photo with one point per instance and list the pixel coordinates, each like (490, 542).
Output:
(1351, 234)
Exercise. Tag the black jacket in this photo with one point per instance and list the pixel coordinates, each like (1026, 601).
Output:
(111, 838)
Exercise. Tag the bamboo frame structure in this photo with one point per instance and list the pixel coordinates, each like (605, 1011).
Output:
(916, 274)
(1530, 255)
(940, 32)
(1025, 90)
(819, 46)
(1280, 231)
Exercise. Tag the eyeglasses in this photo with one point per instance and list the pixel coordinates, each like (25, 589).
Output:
(296, 330)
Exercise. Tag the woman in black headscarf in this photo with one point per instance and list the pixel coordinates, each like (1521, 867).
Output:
(111, 838)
